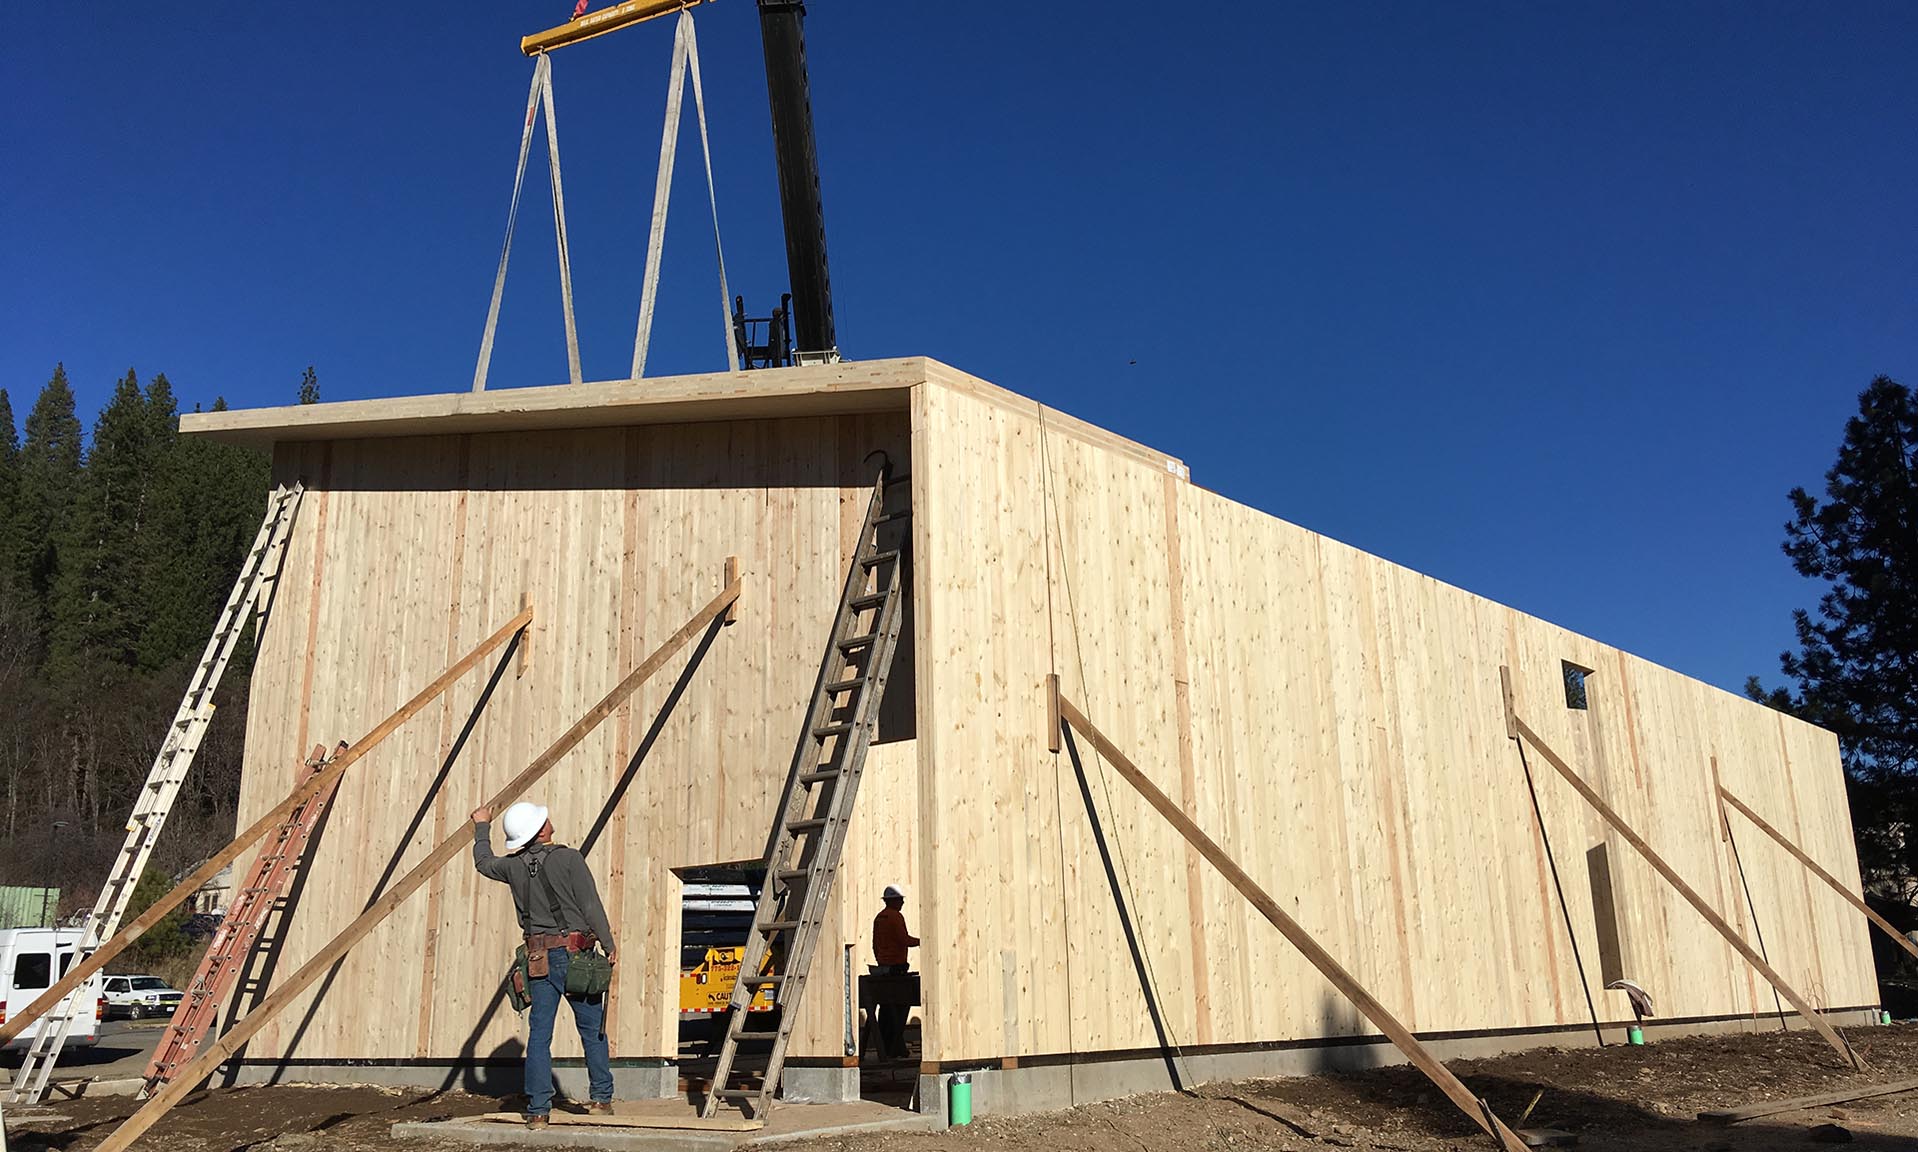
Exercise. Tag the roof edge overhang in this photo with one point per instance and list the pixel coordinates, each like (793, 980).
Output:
(846, 388)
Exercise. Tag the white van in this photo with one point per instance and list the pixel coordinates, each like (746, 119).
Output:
(31, 959)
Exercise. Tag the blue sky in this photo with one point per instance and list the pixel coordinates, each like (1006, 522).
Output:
(1553, 302)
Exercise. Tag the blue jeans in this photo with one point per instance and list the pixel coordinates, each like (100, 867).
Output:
(589, 1015)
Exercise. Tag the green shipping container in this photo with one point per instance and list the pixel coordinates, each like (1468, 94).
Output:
(23, 907)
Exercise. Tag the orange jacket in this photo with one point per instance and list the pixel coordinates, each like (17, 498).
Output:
(890, 938)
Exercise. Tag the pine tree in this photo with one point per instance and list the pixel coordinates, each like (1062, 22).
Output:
(9, 490)
(1858, 656)
(96, 606)
(309, 386)
(49, 473)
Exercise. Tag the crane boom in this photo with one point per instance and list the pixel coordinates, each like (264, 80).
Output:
(781, 30)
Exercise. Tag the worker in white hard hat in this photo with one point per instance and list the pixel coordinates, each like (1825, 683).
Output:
(561, 916)
(890, 942)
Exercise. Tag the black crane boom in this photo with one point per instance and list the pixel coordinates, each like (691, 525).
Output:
(782, 31)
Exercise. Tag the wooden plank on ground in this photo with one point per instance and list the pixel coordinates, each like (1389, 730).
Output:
(1348, 986)
(214, 1054)
(219, 860)
(1773, 1107)
(1856, 901)
(1691, 897)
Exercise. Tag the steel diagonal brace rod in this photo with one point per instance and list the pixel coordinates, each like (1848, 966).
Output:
(217, 1052)
(265, 824)
(1798, 854)
(1517, 729)
(1454, 1089)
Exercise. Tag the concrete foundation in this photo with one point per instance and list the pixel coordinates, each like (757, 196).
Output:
(788, 1122)
(1036, 1084)
(1048, 1085)
(632, 1079)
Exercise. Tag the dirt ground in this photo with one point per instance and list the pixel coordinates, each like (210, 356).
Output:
(1635, 1099)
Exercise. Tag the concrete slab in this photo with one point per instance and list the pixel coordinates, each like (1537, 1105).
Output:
(642, 1126)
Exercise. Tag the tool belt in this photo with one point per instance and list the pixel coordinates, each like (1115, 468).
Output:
(537, 945)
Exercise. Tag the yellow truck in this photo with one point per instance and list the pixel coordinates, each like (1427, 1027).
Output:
(707, 987)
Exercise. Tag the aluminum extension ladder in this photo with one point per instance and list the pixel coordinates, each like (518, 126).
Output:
(231, 948)
(260, 570)
(809, 831)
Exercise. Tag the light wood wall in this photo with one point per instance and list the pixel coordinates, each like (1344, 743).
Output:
(1335, 721)
(410, 550)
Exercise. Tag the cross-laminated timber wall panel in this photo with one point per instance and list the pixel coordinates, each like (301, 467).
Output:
(1346, 743)
(409, 550)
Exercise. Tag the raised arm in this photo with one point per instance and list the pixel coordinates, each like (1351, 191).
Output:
(490, 866)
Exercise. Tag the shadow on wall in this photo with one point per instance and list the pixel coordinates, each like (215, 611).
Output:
(786, 452)
(501, 1074)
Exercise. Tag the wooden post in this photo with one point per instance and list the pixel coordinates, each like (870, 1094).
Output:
(1718, 799)
(525, 659)
(214, 1054)
(1053, 743)
(1344, 981)
(1693, 898)
(731, 578)
(1827, 877)
(1511, 710)
(265, 824)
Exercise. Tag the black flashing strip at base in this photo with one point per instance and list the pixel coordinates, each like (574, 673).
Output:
(1373, 1039)
(440, 1062)
(1047, 1058)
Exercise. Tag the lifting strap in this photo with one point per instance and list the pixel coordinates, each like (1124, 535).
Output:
(685, 51)
(539, 96)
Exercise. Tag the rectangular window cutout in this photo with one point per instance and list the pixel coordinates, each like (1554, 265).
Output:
(1575, 685)
(1611, 964)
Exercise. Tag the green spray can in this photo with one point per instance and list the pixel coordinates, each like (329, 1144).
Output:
(959, 1099)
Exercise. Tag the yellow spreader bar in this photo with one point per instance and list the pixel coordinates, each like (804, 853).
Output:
(600, 23)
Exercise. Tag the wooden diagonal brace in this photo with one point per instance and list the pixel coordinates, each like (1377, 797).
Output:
(1516, 723)
(1856, 901)
(1348, 986)
(190, 1076)
(265, 824)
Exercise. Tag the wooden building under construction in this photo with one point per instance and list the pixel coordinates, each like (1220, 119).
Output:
(1334, 721)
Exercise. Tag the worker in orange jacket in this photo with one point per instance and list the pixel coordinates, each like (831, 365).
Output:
(890, 940)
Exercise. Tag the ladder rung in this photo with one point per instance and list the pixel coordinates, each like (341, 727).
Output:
(739, 1033)
(739, 1093)
(851, 642)
(861, 603)
(839, 729)
(791, 874)
(845, 685)
(891, 516)
(775, 981)
(878, 558)
(811, 825)
(771, 926)
(816, 777)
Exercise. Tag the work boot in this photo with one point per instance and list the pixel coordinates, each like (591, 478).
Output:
(535, 1123)
(600, 1108)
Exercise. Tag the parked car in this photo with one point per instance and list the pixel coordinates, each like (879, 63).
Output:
(31, 959)
(138, 997)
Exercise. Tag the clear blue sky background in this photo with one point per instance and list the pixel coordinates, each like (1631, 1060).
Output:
(1553, 302)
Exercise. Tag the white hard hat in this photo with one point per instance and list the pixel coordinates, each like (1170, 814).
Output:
(892, 892)
(521, 823)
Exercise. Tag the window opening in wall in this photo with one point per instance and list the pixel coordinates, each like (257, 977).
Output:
(1575, 685)
(1611, 962)
(715, 917)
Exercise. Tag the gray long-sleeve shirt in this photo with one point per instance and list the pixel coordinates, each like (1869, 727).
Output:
(579, 907)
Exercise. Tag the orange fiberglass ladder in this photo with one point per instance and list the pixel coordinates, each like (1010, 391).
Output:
(233, 942)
